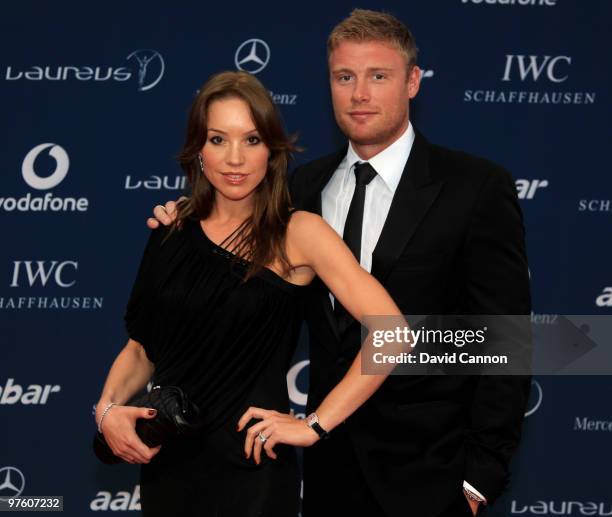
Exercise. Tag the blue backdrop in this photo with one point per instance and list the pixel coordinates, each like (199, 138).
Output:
(94, 101)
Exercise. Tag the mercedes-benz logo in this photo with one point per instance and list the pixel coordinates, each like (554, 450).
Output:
(538, 398)
(252, 56)
(12, 482)
(148, 78)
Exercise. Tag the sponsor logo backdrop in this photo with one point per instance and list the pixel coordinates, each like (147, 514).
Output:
(94, 109)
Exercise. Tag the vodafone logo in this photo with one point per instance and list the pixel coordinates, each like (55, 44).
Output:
(40, 180)
(295, 395)
(62, 163)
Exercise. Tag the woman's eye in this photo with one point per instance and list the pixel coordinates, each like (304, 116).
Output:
(253, 140)
(216, 139)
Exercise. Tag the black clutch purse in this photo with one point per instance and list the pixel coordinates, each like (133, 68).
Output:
(176, 416)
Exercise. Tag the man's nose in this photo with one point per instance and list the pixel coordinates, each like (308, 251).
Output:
(361, 91)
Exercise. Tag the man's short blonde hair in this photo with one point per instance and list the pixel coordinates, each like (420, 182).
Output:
(364, 25)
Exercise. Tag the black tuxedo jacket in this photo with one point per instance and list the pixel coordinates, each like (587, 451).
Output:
(453, 243)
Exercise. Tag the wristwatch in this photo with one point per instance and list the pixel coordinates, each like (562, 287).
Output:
(312, 421)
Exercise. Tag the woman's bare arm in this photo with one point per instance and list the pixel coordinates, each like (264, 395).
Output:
(129, 374)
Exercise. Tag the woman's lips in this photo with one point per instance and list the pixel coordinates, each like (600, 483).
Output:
(234, 178)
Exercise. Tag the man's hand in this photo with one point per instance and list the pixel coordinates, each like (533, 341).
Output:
(473, 504)
(163, 214)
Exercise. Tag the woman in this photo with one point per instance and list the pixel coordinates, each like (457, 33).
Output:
(214, 310)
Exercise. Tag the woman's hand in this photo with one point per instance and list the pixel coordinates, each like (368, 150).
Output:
(118, 428)
(277, 428)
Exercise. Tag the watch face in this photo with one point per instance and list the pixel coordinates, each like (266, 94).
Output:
(311, 419)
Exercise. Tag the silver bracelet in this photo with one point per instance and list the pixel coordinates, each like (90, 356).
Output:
(104, 414)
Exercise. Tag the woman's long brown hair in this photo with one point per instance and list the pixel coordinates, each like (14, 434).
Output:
(264, 232)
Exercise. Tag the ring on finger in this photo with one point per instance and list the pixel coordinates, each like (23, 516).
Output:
(262, 438)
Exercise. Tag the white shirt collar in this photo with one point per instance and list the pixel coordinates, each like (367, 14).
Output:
(390, 162)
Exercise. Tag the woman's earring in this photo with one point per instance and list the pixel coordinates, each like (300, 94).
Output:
(201, 163)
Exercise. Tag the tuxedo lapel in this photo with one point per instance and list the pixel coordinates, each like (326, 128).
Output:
(320, 178)
(313, 204)
(414, 195)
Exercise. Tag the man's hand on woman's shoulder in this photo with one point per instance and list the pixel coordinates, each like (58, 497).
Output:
(163, 214)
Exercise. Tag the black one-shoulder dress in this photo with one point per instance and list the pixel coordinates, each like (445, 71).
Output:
(228, 344)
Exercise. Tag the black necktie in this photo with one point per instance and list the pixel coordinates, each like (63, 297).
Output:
(364, 173)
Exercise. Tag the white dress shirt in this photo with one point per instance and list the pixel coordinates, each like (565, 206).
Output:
(337, 194)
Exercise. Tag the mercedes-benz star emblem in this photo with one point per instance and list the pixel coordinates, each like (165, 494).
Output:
(252, 56)
(536, 394)
(12, 482)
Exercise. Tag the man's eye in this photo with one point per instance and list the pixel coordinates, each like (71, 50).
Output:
(379, 77)
(216, 139)
(344, 78)
(253, 140)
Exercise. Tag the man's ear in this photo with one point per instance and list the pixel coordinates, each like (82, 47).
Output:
(414, 81)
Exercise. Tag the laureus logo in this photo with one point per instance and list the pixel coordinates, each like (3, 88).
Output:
(148, 71)
(151, 68)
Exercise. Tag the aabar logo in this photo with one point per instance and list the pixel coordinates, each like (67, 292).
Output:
(34, 394)
(605, 298)
(119, 502)
(526, 189)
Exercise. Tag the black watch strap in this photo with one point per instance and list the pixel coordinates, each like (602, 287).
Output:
(323, 434)
(312, 421)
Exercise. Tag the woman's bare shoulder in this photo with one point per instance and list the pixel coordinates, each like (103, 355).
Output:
(308, 230)
(303, 221)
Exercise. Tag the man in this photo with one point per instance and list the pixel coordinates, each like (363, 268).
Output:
(443, 232)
